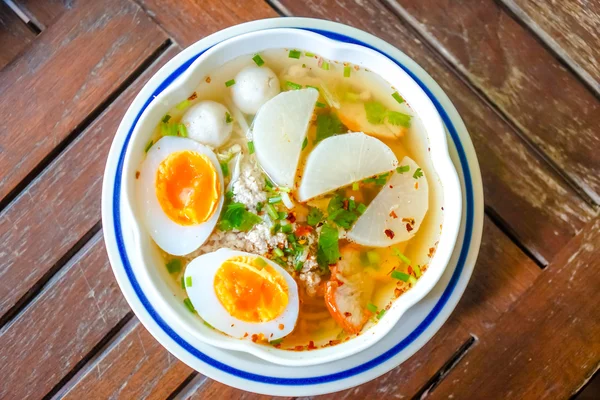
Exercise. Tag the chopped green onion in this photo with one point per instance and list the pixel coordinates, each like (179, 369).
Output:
(325, 66)
(278, 252)
(228, 118)
(188, 281)
(398, 98)
(166, 118)
(268, 184)
(168, 129)
(320, 105)
(174, 266)
(258, 60)
(294, 54)
(282, 214)
(182, 130)
(259, 206)
(373, 257)
(276, 228)
(260, 262)
(351, 205)
(209, 325)
(355, 186)
(230, 82)
(274, 199)
(225, 169)
(276, 341)
(229, 194)
(347, 70)
(284, 189)
(380, 181)
(412, 280)
(401, 256)
(309, 54)
(381, 313)
(401, 276)
(291, 238)
(299, 265)
(148, 146)
(403, 168)
(182, 283)
(251, 147)
(272, 212)
(418, 173)
(417, 269)
(304, 143)
(361, 208)
(287, 228)
(293, 85)
(183, 105)
(372, 307)
(189, 305)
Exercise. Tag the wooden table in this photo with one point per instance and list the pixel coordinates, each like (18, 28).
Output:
(525, 76)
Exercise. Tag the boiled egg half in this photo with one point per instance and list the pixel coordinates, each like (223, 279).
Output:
(243, 295)
(180, 190)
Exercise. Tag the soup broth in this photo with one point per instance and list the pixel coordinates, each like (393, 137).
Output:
(351, 99)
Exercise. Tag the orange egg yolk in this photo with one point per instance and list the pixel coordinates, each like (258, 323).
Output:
(187, 187)
(250, 289)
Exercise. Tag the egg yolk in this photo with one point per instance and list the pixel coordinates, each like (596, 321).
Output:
(250, 289)
(187, 187)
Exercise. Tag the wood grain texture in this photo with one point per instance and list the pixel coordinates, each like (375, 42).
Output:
(64, 76)
(45, 12)
(538, 206)
(81, 305)
(70, 191)
(188, 22)
(550, 340)
(501, 275)
(552, 108)
(135, 366)
(570, 28)
(14, 35)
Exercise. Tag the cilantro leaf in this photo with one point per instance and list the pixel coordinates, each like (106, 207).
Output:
(314, 216)
(345, 218)
(336, 203)
(399, 119)
(328, 251)
(418, 173)
(328, 125)
(237, 217)
(375, 112)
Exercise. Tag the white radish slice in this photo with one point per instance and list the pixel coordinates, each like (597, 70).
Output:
(279, 130)
(343, 159)
(396, 213)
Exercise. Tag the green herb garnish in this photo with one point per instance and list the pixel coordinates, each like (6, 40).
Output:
(236, 216)
(278, 252)
(174, 266)
(298, 266)
(251, 147)
(260, 262)
(372, 308)
(361, 208)
(182, 130)
(272, 212)
(381, 313)
(258, 60)
(276, 342)
(294, 54)
(412, 280)
(418, 173)
(401, 276)
(325, 65)
(328, 251)
(166, 118)
(188, 281)
(230, 82)
(274, 199)
(347, 70)
(259, 206)
(287, 228)
(183, 105)
(309, 54)
(398, 98)
(209, 325)
(375, 112)
(293, 86)
(398, 118)
(314, 216)
(373, 257)
(228, 118)
(401, 256)
(182, 283)
(403, 168)
(225, 169)
(417, 269)
(328, 125)
(355, 186)
(320, 105)
(148, 146)
(189, 304)
(304, 143)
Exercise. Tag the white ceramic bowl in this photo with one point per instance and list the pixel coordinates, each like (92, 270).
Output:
(147, 262)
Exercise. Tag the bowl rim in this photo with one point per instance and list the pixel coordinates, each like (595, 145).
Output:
(452, 290)
(439, 157)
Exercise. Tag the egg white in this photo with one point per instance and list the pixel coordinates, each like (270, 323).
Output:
(202, 294)
(173, 238)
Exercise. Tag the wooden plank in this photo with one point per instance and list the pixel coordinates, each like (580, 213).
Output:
(502, 274)
(570, 28)
(34, 242)
(541, 210)
(65, 76)
(135, 366)
(548, 344)
(202, 388)
(45, 12)
(205, 17)
(77, 309)
(551, 107)
(14, 35)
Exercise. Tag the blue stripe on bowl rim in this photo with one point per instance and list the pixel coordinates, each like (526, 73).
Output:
(323, 378)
